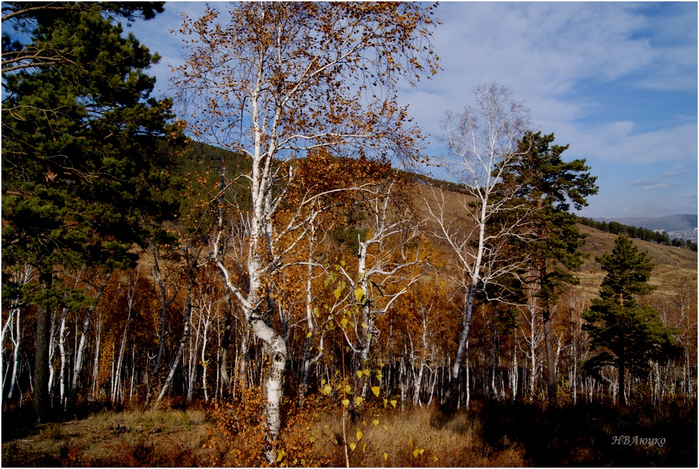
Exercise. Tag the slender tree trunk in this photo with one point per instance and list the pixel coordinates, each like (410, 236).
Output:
(191, 367)
(532, 363)
(191, 264)
(225, 344)
(307, 353)
(132, 385)
(16, 341)
(551, 378)
(63, 374)
(175, 364)
(116, 383)
(80, 352)
(13, 324)
(40, 398)
(205, 362)
(622, 381)
(52, 354)
(8, 326)
(95, 369)
(467, 401)
(164, 303)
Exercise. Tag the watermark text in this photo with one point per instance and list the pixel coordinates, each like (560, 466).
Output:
(627, 440)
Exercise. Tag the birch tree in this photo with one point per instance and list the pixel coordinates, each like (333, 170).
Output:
(278, 80)
(482, 142)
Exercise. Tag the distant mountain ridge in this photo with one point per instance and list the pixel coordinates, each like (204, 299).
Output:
(682, 222)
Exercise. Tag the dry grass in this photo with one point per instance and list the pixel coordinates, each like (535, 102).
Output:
(415, 437)
(489, 435)
(384, 437)
(152, 438)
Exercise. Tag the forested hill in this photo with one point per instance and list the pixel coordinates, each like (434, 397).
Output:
(203, 155)
(676, 260)
(675, 268)
(657, 235)
(682, 222)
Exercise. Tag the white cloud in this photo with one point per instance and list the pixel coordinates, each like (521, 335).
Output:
(617, 142)
(542, 52)
(653, 185)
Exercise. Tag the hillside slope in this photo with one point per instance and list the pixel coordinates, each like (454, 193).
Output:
(675, 267)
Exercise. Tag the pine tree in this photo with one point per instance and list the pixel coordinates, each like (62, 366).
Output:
(624, 333)
(85, 154)
(545, 187)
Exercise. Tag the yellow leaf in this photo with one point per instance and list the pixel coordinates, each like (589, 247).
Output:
(327, 390)
(348, 389)
(376, 390)
(394, 402)
(344, 322)
(280, 455)
(322, 382)
(337, 293)
(309, 335)
(353, 446)
(421, 450)
(415, 453)
(359, 294)
(385, 456)
(359, 435)
(364, 448)
(345, 402)
(357, 400)
(359, 373)
(375, 422)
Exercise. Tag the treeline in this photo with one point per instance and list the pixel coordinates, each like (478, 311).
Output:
(450, 186)
(166, 329)
(659, 237)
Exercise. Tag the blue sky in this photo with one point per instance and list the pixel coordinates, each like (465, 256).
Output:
(616, 81)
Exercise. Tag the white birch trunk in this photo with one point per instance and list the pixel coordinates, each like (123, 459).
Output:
(63, 378)
(95, 368)
(116, 382)
(52, 352)
(80, 352)
(16, 341)
(204, 362)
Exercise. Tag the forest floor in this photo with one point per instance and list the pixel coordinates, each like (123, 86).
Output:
(490, 434)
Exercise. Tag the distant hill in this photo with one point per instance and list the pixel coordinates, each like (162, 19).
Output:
(674, 268)
(669, 223)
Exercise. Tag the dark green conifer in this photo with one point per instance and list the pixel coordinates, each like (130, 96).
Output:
(85, 153)
(547, 235)
(625, 334)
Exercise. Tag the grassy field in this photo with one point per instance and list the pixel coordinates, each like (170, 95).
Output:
(489, 434)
